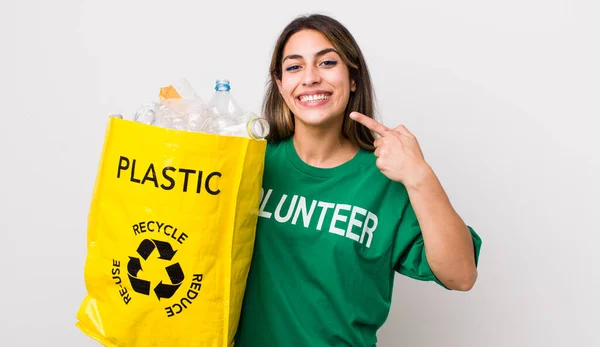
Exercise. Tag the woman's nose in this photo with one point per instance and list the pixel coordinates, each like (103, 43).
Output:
(311, 76)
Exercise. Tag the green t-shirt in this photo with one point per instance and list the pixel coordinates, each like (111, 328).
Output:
(328, 244)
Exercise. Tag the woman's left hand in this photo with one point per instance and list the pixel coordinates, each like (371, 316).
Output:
(398, 153)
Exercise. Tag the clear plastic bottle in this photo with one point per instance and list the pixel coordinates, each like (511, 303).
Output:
(229, 118)
(222, 108)
(146, 114)
(249, 125)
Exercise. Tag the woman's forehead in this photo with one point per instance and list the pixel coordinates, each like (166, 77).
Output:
(306, 43)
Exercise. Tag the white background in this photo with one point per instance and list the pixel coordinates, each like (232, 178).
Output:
(503, 96)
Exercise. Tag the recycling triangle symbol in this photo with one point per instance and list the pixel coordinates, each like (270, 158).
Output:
(165, 252)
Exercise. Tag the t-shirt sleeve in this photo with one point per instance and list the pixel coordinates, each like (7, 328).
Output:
(408, 254)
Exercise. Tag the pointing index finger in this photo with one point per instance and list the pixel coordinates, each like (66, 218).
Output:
(369, 123)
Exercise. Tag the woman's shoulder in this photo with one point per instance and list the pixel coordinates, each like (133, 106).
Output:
(272, 145)
(275, 147)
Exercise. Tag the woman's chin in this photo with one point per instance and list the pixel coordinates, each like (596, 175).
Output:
(316, 120)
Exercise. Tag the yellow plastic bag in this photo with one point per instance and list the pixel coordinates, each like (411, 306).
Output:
(170, 236)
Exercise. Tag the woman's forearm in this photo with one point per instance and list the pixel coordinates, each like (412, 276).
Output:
(448, 241)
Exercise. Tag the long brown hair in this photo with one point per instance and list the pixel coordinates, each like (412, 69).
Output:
(277, 113)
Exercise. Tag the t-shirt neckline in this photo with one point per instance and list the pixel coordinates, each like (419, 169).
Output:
(302, 166)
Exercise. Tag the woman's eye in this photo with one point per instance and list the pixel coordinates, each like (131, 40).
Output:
(329, 63)
(292, 68)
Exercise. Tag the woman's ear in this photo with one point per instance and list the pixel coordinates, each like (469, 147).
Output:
(278, 81)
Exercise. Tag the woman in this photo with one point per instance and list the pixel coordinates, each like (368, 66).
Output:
(342, 210)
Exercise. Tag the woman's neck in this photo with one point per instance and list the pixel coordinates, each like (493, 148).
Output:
(323, 148)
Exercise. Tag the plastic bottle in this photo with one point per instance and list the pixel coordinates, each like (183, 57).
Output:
(222, 107)
(249, 125)
(146, 114)
(230, 118)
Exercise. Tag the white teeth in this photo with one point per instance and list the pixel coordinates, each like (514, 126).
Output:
(313, 98)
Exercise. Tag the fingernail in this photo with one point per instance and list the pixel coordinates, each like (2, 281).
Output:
(352, 115)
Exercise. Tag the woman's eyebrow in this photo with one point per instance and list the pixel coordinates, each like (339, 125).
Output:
(318, 54)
